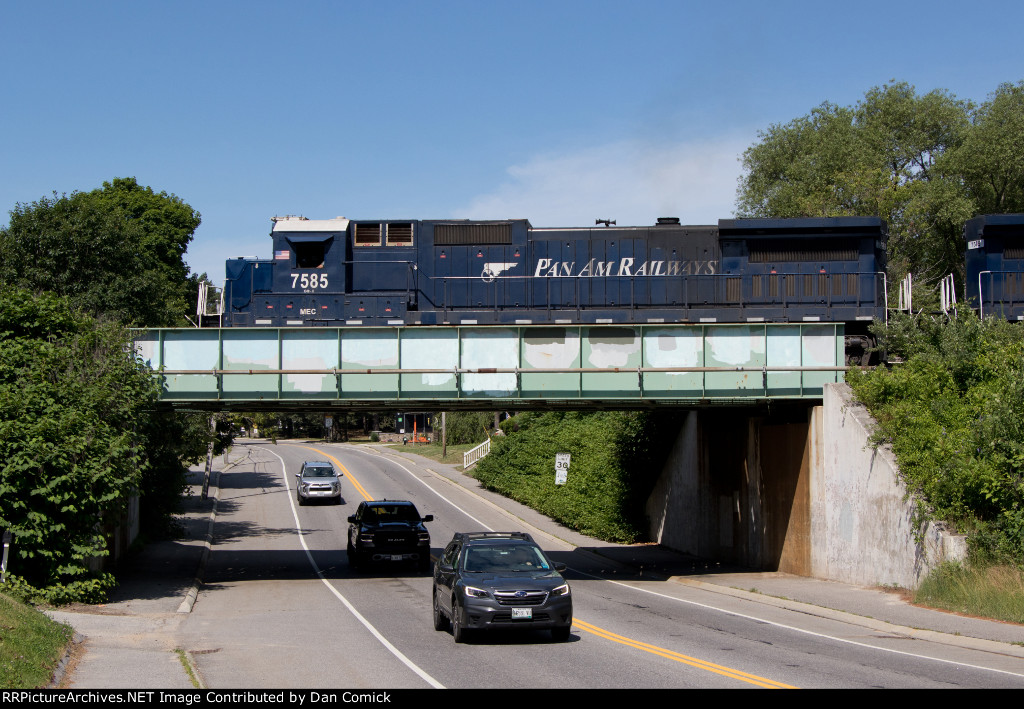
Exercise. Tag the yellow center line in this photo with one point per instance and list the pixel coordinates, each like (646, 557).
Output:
(337, 462)
(600, 632)
(679, 657)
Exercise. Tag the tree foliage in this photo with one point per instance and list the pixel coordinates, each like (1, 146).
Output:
(116, 251)
(464, 427)
(79, 430)
(924, 162)
(72, 403)
(953, 415)
(991, 158)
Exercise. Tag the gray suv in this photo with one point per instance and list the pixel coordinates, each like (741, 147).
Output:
(317, 480)
(499, 580)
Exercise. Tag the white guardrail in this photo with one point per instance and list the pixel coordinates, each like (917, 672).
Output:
(473, 455)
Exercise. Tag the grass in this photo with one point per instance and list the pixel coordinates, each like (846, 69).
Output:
(989, 592)
(31, 645)
(183, 659)
(429, 450)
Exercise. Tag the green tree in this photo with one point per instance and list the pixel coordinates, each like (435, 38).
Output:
(883, 157)
(463, 427)
(168, 226)
(72, 404)
(116, 252)
(991, 159)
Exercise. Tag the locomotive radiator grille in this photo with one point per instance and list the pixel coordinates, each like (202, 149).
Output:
(787, 252)
(472, 234)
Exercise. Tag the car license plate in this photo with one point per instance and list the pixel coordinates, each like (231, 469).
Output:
(522, 613)
(396, 557)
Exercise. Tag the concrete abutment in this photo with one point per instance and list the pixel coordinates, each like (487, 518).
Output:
(796, 489)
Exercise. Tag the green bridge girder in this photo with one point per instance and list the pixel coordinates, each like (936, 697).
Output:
(515, 367)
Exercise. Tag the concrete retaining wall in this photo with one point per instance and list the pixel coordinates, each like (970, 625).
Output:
(862, 520)
(801, 492)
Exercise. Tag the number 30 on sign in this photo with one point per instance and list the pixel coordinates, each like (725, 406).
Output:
(561, 468)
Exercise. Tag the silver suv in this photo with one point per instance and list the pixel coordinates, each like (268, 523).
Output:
(317, 480)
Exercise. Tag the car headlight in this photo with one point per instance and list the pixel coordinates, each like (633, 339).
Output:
(562, 590)
(474, 592)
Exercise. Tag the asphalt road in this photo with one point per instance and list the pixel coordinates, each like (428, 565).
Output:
(280, 607)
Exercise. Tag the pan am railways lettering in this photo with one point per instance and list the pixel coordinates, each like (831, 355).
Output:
(548, 268)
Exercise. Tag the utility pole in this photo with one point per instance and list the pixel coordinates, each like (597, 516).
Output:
(209, 459)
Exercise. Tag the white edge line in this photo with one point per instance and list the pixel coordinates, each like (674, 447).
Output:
(802, 630)
(719, 610)
(384, 641)
(714, 608)
(394, 460)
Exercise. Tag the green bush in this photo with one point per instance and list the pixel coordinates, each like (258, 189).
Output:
(953, 412)
(73, 405)
(93, 588)
(616, 458)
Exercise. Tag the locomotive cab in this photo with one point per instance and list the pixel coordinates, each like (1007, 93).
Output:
(994, 276)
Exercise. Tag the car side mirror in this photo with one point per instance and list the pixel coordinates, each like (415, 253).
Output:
(427, 518)
(445, 567)
(559, 566)
(351, 519)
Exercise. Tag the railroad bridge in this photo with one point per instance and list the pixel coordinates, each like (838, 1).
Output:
(513, 368)
(762, 473)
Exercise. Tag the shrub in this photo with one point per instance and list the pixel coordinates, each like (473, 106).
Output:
(616, 458)
(953, 413)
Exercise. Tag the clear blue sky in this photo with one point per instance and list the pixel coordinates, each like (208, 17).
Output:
(561, 112)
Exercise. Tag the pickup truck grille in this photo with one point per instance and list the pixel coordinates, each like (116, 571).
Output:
(394, 539)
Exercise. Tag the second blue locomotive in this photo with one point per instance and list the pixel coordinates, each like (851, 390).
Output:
(458, 272)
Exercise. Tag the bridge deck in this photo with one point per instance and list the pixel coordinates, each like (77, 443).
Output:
(594, 366)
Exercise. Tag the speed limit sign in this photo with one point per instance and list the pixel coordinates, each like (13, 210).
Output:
(561, 468)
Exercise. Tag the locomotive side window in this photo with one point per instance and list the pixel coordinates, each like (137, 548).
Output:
(309, 254)
(367, 234)
(399, 235)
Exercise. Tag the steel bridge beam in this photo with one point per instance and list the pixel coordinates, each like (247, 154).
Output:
(516, 368)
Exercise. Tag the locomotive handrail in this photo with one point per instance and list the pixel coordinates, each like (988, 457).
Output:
(981, 294)
(688, 281)
(578, 277)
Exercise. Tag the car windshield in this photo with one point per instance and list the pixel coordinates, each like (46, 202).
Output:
(318, 471)
(512, 557)
(391, 513)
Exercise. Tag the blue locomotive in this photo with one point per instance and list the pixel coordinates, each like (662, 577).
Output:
(338, 272)
(994, 276)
